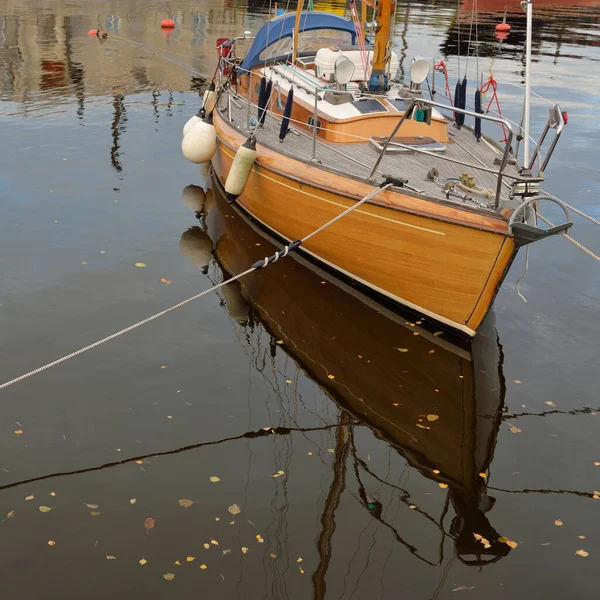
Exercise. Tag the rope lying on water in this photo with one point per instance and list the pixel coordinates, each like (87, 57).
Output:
(257, 265)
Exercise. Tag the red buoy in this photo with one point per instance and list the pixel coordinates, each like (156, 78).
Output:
(93, 32)
(503, 27)
(167, 24)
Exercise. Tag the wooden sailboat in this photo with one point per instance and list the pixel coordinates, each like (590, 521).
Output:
(312, 119)
(385, 376)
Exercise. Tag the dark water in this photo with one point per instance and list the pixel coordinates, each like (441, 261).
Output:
(287, 372)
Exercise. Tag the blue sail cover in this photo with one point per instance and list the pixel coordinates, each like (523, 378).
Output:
(282, 27)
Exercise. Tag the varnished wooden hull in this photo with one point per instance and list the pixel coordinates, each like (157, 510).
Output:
(443, 262)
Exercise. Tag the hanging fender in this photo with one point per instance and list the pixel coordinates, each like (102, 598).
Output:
(240, 170)
(208, 102)
(478, 110)
(200, 144)
(287, 113)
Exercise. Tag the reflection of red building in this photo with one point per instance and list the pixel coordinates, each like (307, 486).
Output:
(53, 74)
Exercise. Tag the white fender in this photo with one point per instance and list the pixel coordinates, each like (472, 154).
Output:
(193, 197)
(241, 169)
(200, 144)
(197, 246)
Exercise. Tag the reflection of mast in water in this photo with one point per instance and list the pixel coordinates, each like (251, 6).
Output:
(118, 127)
(404, 49)
(74, 69)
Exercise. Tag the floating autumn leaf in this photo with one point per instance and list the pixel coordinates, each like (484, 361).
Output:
(190, 559)
(142, 561)
(581, 537)
(169, 576)
(436, 471)
(517, 381)
(402, 350)
(331, 376)
(214, 542)
(331, 450)
(550, 403)
(18, 431)
(95, 514)
(53, 493)
(431, 352)
(412, 506)
(260, 539)
(45, 509)
(10, 514)
(483, 475)
(132, 501)
(234, 509)
(278, 474)
(558, 523)
(582, 553)
(207, 546)
(30, 497)
(185, 502)
(481, 539)
(299, 559)
(301, 570)
(279, 342)
(203, 567)
(139, 462)
(438, 333)
(215, 479)
(514, 429)
(140, 265)
(163, 280)
(149, 523)
(224, 552)
(244, 550)
(273, 555)
(597, 464)
(421, 426)
(110, 557)
(51, 543)
(92, 505)
(443, 485)
(178, 563)
(508, 542)
(432, 417)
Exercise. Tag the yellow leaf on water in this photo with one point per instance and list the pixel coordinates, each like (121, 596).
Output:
(278, 474)
(110, 557)
(582, 553)
(169, 576)
(331, 450)
(558, 523)
(395, 403)
(139, 462)
(143, 561)
(92, 505)
(149, 523)
(436, 471)
(279, 342)
(140, 265)
(412, 506)
(443, 485)
(244, 549)
(51, 543)
(30, 497)
(421, 426)
(550, 403)
(215, 479)
(483, 475)
(288, 381)
(214, 542)
(331, 376)
(516, 381)
(18, 431)
(597, 464)
(234, 509)
(45, 509)
(224, 552)
(95, 514)
(402, 349)
(203, 567)
(190, 559)
(481, 539)
(438, 333)
(273, 555)
(581, 537)
(514, 429)
(10, 514)
(299, 559)
(185, 502)
(53, 493)
(178, 563)
(133, 501)
(432, 417)
(511, 544)
(260, 539)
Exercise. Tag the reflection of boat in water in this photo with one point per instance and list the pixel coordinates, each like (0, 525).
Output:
(437, 404)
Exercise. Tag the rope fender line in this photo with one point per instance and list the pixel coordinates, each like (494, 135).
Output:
(257, 265)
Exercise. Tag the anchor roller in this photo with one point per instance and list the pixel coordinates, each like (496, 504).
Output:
(241, 169)
(200, 144)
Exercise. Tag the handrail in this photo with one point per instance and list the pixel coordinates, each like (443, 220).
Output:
(408, 111)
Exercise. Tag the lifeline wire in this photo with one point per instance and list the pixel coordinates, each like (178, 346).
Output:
(257, 265)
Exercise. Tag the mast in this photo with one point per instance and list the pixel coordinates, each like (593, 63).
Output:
(386, 9)
(526, 133)
(297, 31)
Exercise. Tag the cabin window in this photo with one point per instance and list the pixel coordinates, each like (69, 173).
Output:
(308, 42)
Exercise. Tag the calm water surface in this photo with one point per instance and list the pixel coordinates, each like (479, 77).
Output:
(354, 459)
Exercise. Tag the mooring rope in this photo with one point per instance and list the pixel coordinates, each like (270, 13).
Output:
(573, 241)
(267, 260)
